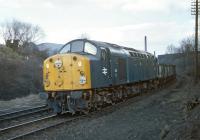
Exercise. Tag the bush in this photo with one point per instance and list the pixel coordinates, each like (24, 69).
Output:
(20, 74)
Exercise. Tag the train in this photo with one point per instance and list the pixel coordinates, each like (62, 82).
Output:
(86, 75)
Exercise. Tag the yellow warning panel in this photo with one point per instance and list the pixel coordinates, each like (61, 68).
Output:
(81, 72)
(63, 72)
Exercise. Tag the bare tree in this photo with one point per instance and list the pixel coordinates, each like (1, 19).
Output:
(20, 33)
(185, 52)
(187, 48)
(187, 45)
(171, 49)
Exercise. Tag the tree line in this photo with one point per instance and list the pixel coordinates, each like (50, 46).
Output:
(183, 56)
(20, 59)
(186, 45)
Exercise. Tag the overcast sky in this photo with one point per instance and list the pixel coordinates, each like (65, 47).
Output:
(124, 22)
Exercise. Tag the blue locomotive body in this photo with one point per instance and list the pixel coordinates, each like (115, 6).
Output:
(108, 73)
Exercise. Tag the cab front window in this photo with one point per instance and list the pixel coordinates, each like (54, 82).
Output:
(89, 48)
(77, 46)
(65, 49)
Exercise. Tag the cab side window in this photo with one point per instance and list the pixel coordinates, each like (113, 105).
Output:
(89, 48)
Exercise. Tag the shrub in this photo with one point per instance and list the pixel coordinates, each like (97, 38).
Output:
(20, 74)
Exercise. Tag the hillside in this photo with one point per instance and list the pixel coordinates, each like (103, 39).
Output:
(51, 48)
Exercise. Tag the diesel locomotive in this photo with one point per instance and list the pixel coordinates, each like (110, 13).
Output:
(88, 74)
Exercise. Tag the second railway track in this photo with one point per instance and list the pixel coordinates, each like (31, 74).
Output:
(18, 129)
(30, 127)
(19, 113)
(17, 117)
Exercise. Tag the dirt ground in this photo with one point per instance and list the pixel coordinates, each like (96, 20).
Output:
(172, 113)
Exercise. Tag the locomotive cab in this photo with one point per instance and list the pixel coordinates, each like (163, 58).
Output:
(70, 69)
(67, 75)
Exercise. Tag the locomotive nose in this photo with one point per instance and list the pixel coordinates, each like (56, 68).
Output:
(66, 72)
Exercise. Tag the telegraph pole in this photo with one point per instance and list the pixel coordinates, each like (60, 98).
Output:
(195, 11)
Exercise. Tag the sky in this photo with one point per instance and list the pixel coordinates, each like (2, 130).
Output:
(123, 22)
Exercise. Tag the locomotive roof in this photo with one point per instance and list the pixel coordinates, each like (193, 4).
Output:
(113, 47)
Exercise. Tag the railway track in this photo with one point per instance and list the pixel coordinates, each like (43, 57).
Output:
(29, 128)
(18, 129)
(14, 118)
(16, 114)
(22, 130)
(64, 120)
(59, 120)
